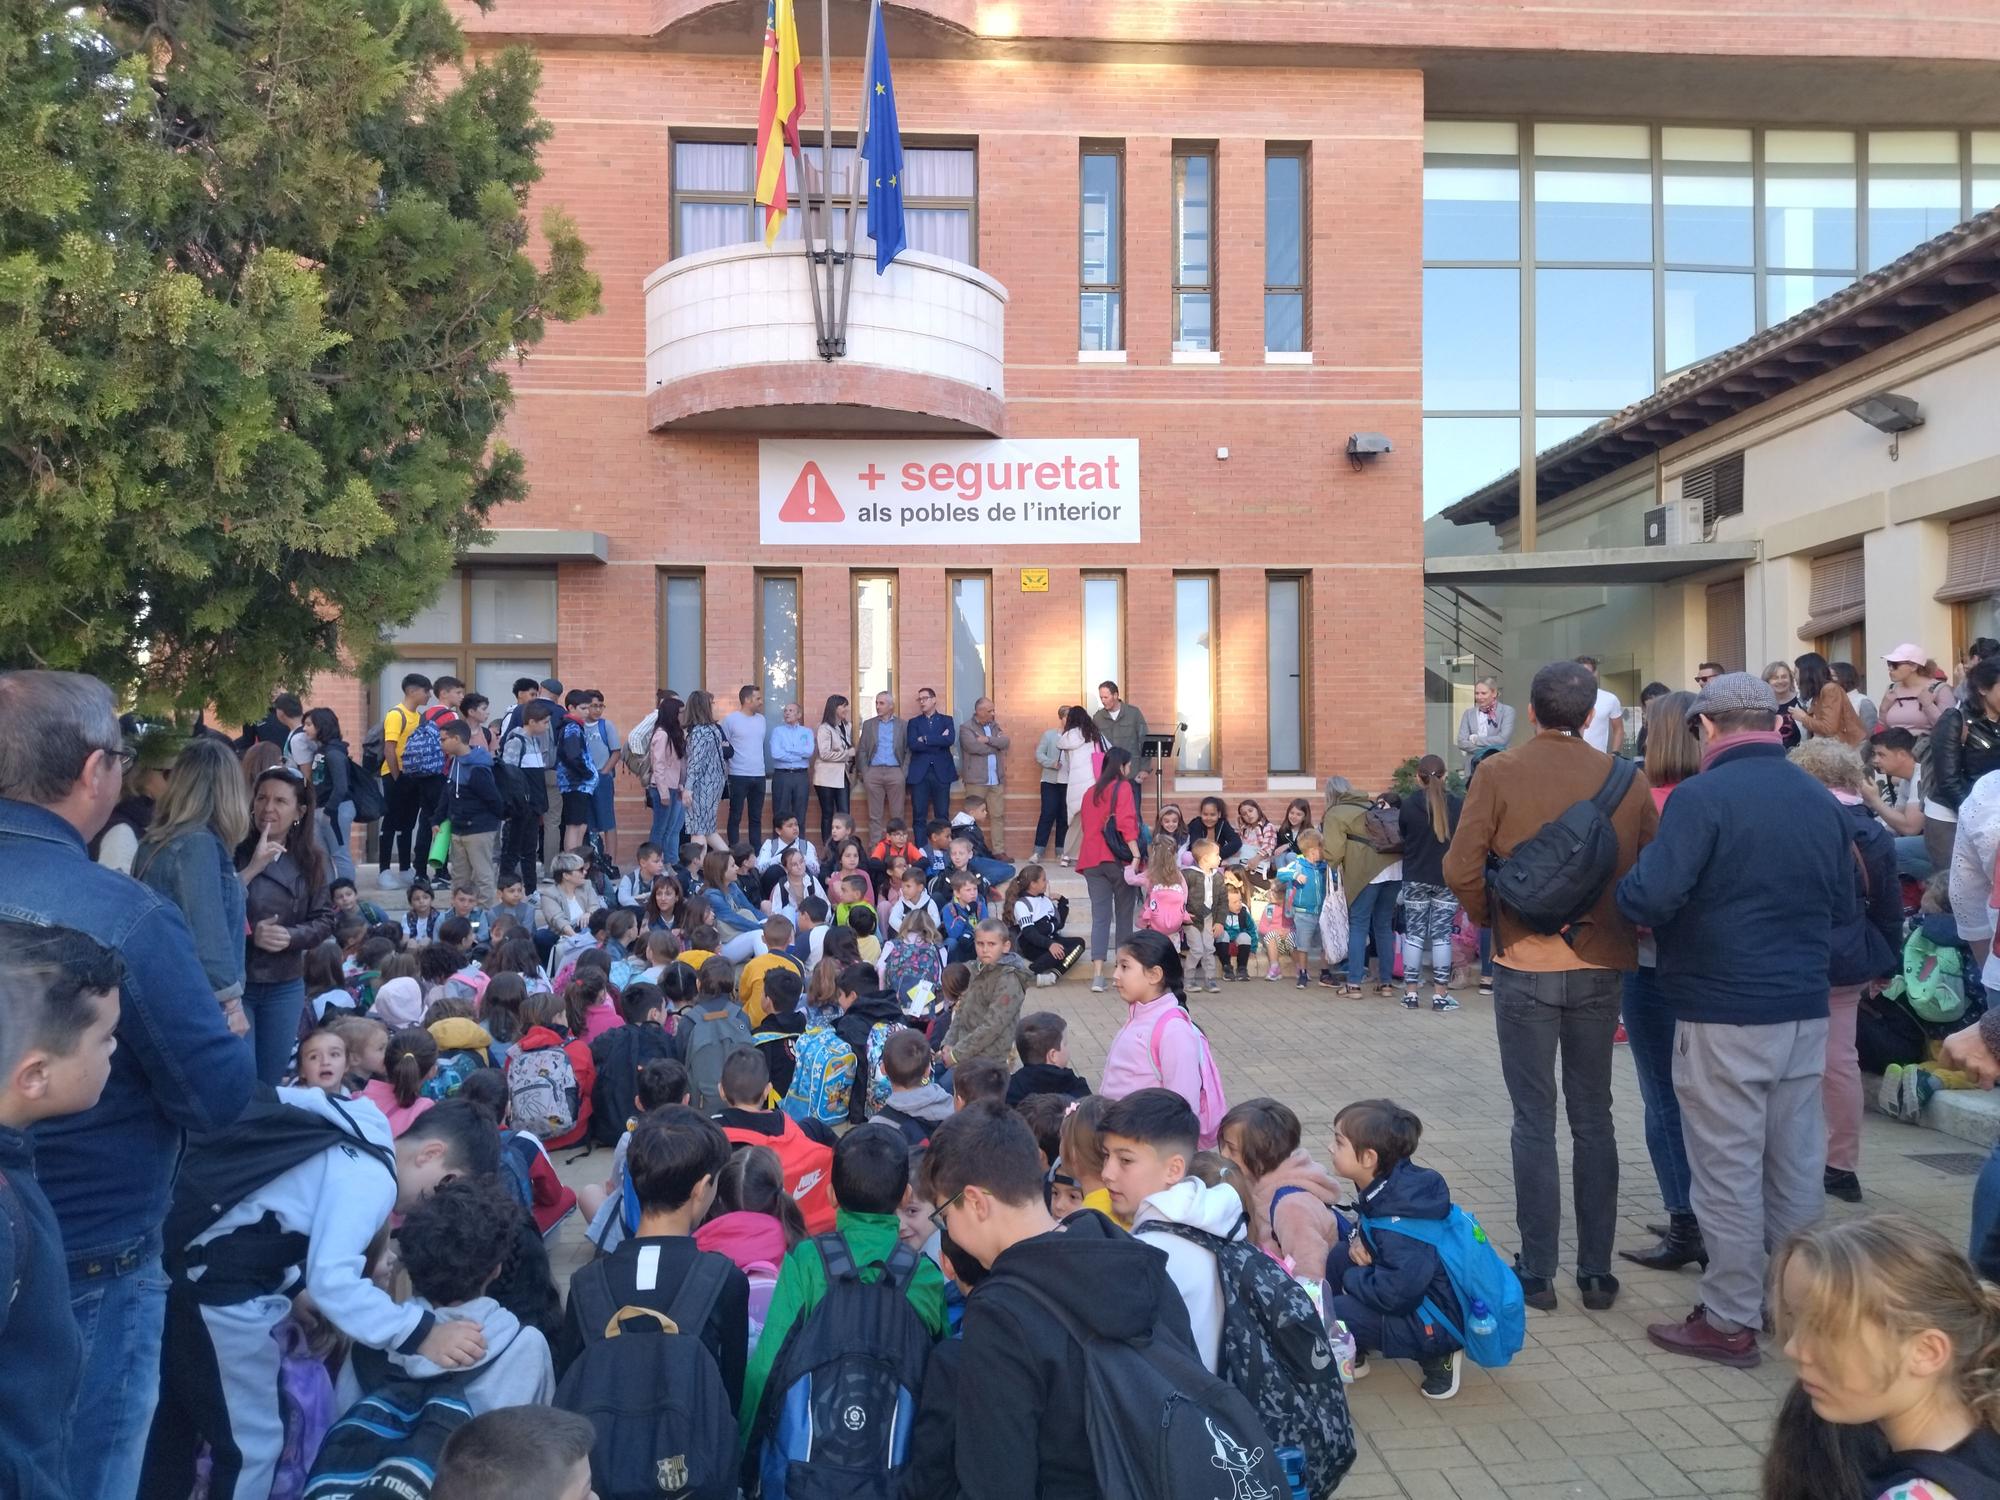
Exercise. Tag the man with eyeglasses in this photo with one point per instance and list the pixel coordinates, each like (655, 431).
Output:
(931, 736)
(1706, 673)
(108, 1171)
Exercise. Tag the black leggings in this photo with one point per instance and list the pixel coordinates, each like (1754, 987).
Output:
(1052, 826)
(832, 799)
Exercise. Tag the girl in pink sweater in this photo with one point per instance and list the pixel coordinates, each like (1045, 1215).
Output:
(1159, 1046)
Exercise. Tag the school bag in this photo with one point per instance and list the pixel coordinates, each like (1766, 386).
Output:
(879, 1087)
(805, 1164)
(1932, 983)
(909, 963)
(542, 1091)
(1481, 1279)
(843, 1393)
(220, 1168)
(763, 1279)
(1276, 1352)
(389, 1443)
(423, 751)
(1557, 873)
(712, 1034)
(651, 1389)
(1333, 919)
(822, 1077)
(1382, 830)
(511, 781)
(1160, 1426)
(1165, 909)
(1212, 1105)
(453, 1068)
(621, 1054)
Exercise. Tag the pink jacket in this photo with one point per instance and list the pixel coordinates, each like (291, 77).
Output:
(378, 1092)
(1128, 1065)
(600, 1018)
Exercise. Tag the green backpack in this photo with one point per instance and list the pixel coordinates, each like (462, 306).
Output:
(1932, 983)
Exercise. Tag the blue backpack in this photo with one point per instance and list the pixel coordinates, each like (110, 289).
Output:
(423, 751)
(822, 1077)
(1481, 1279)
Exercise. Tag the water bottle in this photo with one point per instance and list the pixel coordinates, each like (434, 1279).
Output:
(1481, 1322)
(1292, 1460)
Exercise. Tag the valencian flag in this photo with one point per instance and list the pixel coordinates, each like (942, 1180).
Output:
(885, 156)
(778, 110)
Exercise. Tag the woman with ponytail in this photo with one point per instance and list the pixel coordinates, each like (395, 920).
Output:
(1889, 1327)
(411, 1059)
(1429, 908)
(1159, 1046)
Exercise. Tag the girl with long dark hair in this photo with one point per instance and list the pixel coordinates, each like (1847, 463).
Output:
(1111, 799)
(1824, 707)
(1429, 908)
(666, 757)
(1083, 751)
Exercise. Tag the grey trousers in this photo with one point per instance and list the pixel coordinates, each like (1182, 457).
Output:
(1756, 1145)
(1111, 903)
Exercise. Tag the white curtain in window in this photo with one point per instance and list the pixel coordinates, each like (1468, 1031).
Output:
(938, 174)
(712, 167)
(940, 231)
(708, 226)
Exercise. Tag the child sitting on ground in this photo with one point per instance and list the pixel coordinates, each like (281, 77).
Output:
(620, 1055)
(861, 922)
(755, 1223)
(513, 902)
(777, 1035)
(1380, 1278)
(913, 961)
(979, 1080)
(1038, 925)
(326, 982)
(982, 1023)
(960, 915)
(911, 897)
(408, 1063)
(420, 922)
(750, 978)
(543, 1455)
(366, 1041)
(347, 899)
(1044, 1069)
(323, 1062)
(1082, 1162)
(609, 1209)
(525, 1168)
(916, 1104)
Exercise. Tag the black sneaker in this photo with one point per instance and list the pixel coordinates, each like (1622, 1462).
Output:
(1536, 1291)
(1304, 981)
(1410, 1000)
(1442, 1002)
(1843, 1185)
(1441, 1375)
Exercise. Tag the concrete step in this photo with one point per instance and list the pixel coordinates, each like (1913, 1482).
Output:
(1965, 1114)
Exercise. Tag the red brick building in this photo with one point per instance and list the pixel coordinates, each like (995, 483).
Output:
(1244, 183)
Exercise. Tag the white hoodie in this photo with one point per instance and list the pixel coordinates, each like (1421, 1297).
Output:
(1219, 1210)
(514, 1371)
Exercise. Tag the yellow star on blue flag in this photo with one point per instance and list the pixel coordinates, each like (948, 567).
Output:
(885, 157)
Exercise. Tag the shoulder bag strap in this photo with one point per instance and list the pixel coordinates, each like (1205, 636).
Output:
(834, 1256)
(594, 1307)
(1616, 784)
(697, 1297)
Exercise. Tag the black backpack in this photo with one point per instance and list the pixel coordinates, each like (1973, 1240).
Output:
(620, 1055)
(390, 1443)
(1556, 875)
(221, 1168)
(1275, 1351)
(1160, 1426)
(650, 1386)
(843, 1393)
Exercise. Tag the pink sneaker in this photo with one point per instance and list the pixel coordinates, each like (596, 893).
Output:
(1272, 973)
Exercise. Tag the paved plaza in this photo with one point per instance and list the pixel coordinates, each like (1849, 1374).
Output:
(1588, 1409)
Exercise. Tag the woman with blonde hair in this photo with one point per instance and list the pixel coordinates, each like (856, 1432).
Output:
(1430, 911)
(188, 857)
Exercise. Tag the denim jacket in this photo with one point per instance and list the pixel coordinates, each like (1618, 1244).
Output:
(194, 871)
(109, 1171)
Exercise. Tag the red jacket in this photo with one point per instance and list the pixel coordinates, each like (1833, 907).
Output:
(1123, 796)
(581, 1063)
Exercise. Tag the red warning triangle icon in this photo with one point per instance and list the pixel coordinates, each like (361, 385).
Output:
(811, 499)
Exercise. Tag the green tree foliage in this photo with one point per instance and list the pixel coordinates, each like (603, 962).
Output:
(262, 264)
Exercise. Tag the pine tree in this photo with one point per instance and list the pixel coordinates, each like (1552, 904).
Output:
(263, 264)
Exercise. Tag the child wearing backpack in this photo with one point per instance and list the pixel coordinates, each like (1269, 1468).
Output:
(804, 1147)
(1163, 890)
(777, 1035)
(982, 1023)
(525, 1169)
(868, 1016)
(826, 1309)
(1292, 1196)
(328, 1175)
(709, 1030)
(755, 1222)
(1382, 1277)
(1159, 1044)
(550, 1076)
(916, 1106)
(610, 1208)
(464, 1046)
(524, 1455)
(621, 1054)
(750, 982)
(914, 958)
(409, 1062)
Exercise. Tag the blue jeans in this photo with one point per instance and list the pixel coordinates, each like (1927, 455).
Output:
(1649, 1026)
(274, 1011)
(342, 820)
(1913, 858)
(995, 872)
(1985, 1251)
(669, 817)
(1372, 918)
(121, 1313)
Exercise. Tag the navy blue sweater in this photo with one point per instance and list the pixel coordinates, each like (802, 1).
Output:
(1742, 886)
(41, 1354)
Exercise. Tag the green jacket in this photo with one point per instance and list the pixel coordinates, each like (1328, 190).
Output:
(871, 1239)
(1358, 860)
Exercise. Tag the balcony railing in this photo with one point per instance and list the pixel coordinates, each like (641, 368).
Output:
(731, 343)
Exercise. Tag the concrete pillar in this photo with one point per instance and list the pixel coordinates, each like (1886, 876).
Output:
(1904, 565)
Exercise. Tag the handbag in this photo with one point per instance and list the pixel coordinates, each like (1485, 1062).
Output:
(1333, 919)
(1114, 838)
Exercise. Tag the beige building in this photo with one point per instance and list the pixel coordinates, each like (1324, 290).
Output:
(1758, 505)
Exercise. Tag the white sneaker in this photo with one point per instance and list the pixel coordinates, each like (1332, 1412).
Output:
(387, 880)
(1097, 985)
(1044, 980)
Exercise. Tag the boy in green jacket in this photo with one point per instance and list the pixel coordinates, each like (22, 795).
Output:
(871, 1169)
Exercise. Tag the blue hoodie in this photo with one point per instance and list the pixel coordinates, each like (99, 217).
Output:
(472, 797)
(1404, 1271)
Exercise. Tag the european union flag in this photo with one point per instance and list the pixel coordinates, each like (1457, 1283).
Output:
(885, 156)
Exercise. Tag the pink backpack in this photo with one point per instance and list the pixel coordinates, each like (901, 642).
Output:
(1212, 1105)
(1165, 910)
(763, 1277)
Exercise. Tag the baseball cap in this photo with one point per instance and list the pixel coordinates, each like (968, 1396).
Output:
(1910, 652)
(1733, 692)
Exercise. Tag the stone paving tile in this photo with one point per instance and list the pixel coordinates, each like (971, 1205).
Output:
(1589, 1408)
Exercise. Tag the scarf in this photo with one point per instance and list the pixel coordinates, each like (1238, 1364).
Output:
(1726, 742)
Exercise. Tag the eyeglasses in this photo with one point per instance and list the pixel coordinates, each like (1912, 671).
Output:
(938, 1213)
(1704, 678)
(128, 757)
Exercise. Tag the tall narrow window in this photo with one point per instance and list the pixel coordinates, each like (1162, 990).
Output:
(778, 638)
(1285, 240)
(971, 629)
(681, 645)
(1194, 250)
(874, 640)
(1101, 223)
(1103, 632)
(1194, 669)
(1284, 670)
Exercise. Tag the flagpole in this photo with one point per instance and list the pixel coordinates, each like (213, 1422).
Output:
(854, 181)
(805, 237)
(833, 337)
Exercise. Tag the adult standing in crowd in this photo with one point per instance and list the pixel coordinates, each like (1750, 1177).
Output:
(1430, 911)
(1083, 750)
(146, 778)
(289, 909)
(1111, 801)
(189, 857)
(1784, 686)
(1980, 648)
(746, 729)
(1894, 753)
(528, 745)
(1867, 946)
(1606, 730)
(1555, 995)
(1369, 878)
(1706, 673)
(707, 770)
(327, 771)
(982, 766)
(1120, 723)
(1488, 725)
(1976, 1049)
(1915, 697)
(277, 726)
(1673, 753)
(666, 768)
(1824, 709)
(930, 738)
(882, 755)
(537, 761)
(400, 858)
(791, 756)
(1742, 886)
(1965, 745)
(833, 760)
(1850, 684)
(108, 1172)
(1052, 818)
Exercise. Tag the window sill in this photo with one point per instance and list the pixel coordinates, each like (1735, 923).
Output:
(1290, 784)
(1197, 783)
(1197, 356)
(1288, 356)
(1100, 356)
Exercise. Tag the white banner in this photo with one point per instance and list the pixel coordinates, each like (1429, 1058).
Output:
(950, 492)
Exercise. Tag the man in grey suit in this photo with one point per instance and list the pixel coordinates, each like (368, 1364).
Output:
(882, 756)
(982, 769)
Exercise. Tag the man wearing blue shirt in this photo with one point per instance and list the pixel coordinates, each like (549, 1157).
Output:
(881, 753)
(746, 730)
(791, 767)
(931, 737)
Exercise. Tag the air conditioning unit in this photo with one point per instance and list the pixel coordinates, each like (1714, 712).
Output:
(1663, 526)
